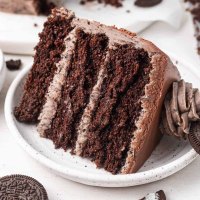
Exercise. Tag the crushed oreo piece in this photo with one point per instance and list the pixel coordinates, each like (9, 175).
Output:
(13, 64)
(21, 187)
(159, 195)
(147, 3)
(194, 136)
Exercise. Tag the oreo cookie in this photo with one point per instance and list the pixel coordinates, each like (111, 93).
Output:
(194, 136)
(21, 187)
(159, 195)
(147, 3)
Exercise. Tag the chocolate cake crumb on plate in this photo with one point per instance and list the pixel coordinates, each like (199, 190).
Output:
(21, 187)
(13, 64)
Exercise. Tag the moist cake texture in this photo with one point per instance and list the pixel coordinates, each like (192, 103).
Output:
(97, 90)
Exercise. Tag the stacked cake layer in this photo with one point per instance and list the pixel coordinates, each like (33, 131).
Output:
(97, 90)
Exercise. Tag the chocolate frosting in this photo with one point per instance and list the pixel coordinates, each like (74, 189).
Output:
(181, 107)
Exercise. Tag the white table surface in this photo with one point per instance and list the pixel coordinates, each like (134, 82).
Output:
(184, 185)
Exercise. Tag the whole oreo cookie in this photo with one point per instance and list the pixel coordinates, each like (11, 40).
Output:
(21, 187)
(147, 3)
(194, 136)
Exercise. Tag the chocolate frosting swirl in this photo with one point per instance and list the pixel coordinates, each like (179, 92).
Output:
(181, 108)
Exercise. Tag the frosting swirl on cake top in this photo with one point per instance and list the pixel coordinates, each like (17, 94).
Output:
(181, 107)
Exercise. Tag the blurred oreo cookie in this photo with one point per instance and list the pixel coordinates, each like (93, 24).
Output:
(194, 136)
(21, 187)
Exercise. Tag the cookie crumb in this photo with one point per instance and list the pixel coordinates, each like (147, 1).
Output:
(13, 64)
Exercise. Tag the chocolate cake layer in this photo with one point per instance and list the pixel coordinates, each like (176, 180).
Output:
(111, 129)
(81, 78)
(147, 134)
(97, 90)
(48, 54)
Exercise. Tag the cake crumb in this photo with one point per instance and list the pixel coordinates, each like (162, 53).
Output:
(13, 64)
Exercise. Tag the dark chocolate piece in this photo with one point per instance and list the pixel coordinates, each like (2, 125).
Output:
(13, 64)
(21, 187)
(147, 3)
(194, 136)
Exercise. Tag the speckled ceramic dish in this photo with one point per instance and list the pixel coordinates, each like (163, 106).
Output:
(2, 70)
(169, 157)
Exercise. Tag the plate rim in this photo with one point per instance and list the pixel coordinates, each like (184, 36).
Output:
(127, 180)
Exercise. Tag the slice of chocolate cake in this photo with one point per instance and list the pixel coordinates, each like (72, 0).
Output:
(97, 90)
(33, 7)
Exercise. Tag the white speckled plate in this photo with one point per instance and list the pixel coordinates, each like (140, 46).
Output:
(169, 157)
(2, 70)
(19, 35)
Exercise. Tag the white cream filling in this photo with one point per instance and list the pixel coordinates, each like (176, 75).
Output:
(86, 117)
